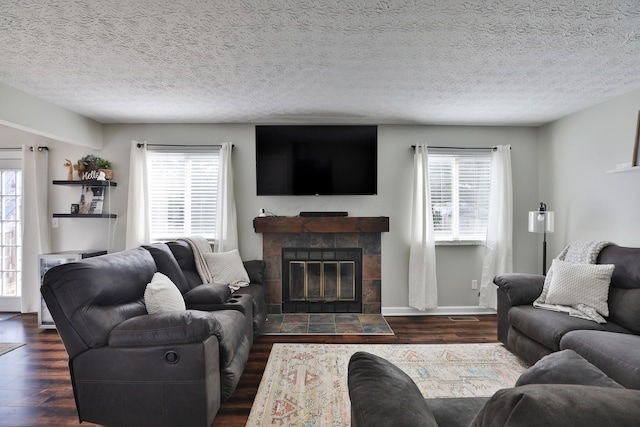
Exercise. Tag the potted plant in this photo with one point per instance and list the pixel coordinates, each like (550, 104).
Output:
(105, 166)
(90, 166)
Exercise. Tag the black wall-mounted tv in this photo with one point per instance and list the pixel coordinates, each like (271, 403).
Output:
(316, 160)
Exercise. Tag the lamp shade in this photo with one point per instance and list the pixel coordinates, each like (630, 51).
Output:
(540, 221)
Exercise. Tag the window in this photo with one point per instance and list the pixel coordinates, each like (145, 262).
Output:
(10, 224)
(182, 192)
(460, 185)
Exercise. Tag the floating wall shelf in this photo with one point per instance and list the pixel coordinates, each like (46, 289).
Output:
(628, 169)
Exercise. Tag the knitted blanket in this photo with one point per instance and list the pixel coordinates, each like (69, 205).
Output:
(578, 252)
(200, 245)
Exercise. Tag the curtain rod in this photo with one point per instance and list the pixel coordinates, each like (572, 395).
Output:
(182, 145)
(40, 148)
(459, 148)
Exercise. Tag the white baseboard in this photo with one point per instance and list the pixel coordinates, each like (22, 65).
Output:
(10, 304)
(440, 311)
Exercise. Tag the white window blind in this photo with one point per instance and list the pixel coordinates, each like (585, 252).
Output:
(460, 185)
(183, 192)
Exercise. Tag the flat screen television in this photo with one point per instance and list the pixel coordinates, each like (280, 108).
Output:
(316, 160)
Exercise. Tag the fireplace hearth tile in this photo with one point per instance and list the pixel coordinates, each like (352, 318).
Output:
(322, 328)
(294, 328)
(326, 324)
(347, 318)
(295, 318)
(349, 328)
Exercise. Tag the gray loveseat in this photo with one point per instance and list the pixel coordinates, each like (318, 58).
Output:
(613, 347)
(131, 368)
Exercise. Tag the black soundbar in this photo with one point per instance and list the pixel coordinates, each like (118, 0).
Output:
(323, 214)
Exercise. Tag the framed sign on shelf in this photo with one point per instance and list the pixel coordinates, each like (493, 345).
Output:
(636, 147)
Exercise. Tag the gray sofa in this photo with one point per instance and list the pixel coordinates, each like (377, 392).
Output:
(131, 368)
(613, 347)
(560, 390)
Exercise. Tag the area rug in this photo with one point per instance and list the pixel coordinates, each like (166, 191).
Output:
(306, 384)
(7, 347)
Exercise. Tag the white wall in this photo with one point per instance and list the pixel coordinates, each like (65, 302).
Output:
(23, 111)
(457, 266)
(576, 153)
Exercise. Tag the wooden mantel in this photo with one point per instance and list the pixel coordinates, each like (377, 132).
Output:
(344, 224)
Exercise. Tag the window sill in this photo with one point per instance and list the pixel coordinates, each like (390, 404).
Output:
(460, 242)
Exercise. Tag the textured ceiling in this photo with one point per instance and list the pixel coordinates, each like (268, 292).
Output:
(488, 62)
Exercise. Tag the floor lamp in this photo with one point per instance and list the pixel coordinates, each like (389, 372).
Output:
(541, 221)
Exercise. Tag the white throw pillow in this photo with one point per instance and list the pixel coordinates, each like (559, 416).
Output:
(163, 295)
(227, 269)
(586, 284)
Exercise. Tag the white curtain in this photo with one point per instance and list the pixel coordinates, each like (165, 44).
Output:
(498, 255)
(138, 228)
(226, 218)
(423, 286)
(35, 222)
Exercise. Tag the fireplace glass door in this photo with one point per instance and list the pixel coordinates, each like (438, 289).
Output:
(322, 280)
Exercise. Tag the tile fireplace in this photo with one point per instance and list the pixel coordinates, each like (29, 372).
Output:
(322, 264)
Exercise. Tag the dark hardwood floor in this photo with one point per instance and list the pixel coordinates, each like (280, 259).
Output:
(35, 389)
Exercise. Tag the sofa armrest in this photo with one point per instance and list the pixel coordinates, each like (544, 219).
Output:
(207, 293)
(255, 270)
(382, 394)
(175, 327)
(514, 289)
(520, 289)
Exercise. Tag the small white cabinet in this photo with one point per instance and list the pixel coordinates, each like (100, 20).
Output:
(47, 261)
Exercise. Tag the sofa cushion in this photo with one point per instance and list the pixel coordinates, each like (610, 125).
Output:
(548, 327)
(617, 355)
(255, 270)
(565, 367)
(227, 268)
(168, 265)
(455, 411)
(574, 284)
(623, 308)
(184, 256)
(382, 394)
(560, 405)
(161, 295)
(92, 296)
(627, 272)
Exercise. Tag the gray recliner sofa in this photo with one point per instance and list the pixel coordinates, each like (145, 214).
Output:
(613, 347)
(131, 368)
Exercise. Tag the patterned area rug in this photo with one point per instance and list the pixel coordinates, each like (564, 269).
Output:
(306, 384)
(7, 347)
